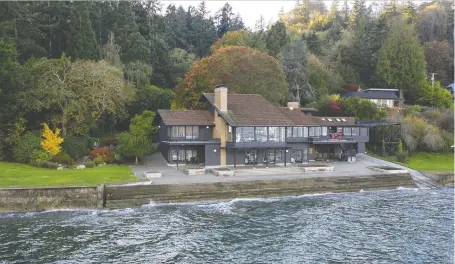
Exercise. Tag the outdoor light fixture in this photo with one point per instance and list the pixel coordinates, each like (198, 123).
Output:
(214, 150)
(287, 150)
(207, 127)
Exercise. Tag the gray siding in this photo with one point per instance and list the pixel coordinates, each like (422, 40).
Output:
(212, 155)
(360, 147)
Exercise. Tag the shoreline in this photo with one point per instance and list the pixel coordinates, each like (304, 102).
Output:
(135, 195)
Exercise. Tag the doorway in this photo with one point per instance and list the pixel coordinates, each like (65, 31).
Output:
(251, 157)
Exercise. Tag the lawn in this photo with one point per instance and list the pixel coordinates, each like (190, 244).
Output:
(21, 175)
(423, 161)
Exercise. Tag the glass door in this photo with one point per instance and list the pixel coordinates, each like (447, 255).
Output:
(270, 156)
(305, 155)
(250, 157)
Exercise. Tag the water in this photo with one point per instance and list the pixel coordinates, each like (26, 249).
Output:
(400, 226)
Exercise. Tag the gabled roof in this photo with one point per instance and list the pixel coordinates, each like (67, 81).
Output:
(372, 95)
(250, 110)
(186, 117)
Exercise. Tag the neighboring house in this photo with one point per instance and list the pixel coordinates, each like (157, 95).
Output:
(379, 96)
(241, 129)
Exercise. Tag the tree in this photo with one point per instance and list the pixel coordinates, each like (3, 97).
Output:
(294, 60)
(410, 12)
(439, 58)
(432, 22)
(313, 42)
(111, 52)
(358, 11)
(227, 21)
(51, 140)
(141, 125)
(239, 38)
(242, 69)
(323, 79)
(180, 62)
(138, 73)
(151, 98)
(81, 37)
(79, 92)
(276, 38)
(401, 62)
(8, 76)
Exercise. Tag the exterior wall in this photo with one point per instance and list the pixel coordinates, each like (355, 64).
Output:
(212, 155)
(219, 132)
(360, 147)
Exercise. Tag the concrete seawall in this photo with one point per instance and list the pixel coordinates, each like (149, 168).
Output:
(121, 196)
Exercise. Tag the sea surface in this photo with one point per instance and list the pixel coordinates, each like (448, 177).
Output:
(398, 226)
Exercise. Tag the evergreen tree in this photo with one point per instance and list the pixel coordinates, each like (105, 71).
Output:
(313, 43)
(358, 11)
(401, 62)
(276, 38)
(227, 21)
(81, 37)
(345, 14)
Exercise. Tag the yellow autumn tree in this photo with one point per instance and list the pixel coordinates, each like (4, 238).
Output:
(51, 140)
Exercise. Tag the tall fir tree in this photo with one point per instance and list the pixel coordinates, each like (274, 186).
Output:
(276, 38)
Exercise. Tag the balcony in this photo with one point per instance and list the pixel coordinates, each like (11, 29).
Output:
(255, 144)
(333, 139)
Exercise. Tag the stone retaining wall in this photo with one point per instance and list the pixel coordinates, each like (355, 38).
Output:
(127, 196)
(39, 199)
(122, 196)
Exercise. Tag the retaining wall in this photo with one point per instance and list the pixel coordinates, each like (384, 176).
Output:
(122, 196)
(38, 199)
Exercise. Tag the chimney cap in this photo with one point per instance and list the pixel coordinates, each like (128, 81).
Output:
(220, 86)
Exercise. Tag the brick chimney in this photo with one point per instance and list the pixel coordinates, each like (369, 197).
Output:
(293, 105)
(221, 97)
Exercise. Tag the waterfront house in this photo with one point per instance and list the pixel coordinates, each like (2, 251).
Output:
(381, 97)
(242, 129)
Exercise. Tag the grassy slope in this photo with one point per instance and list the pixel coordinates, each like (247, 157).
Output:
(430, 162)
(21, 175)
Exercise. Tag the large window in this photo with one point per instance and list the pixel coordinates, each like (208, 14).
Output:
(276, 134)
(187, 132)
(305, 132)
(364, 131)
(311, 131)
(297, 131)
(346, 131)
(244, 134)
(180, 156)
(289, 132)
(318, 131)
(355, 131)
(261, 134)
(324, 131)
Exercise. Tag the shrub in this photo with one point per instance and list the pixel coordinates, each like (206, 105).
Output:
(99, 152)
(90, 165)
(50, 165)
(400, 146)
(63, 158)
(433, 140)
(109, 141)
(39, 156)
(98, 160)
(76, 147)
(109, 158)
(93, 143)
(401, 157)
(23, 150)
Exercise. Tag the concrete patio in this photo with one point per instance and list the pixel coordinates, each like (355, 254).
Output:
(172, 175)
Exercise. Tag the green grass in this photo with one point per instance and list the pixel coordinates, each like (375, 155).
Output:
(423, 161)
(21, 175)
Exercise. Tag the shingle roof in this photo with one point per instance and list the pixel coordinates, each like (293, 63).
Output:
(372, 95)
(186, 117)
(251, 110)
(300, 119)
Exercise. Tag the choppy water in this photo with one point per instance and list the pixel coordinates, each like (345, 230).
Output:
(400, 226)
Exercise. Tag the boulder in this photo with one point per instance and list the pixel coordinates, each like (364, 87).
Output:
(60, 168)
(80, 167)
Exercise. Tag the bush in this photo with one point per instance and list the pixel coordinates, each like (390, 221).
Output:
(76, 147)
(99, 152)
(98, 160)
(109, 141)
(401, 157)
(90, 165)
(48, 164)
(63, 158)
(39, 156)
(28, 143)
(109, 158)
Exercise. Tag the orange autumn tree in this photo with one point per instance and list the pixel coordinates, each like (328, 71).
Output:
(51, 140)
(244, 70)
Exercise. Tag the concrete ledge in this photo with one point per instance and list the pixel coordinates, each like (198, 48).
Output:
(152, 174)
(388, 169)
(222, 172)
(195, 171)
(316, 168)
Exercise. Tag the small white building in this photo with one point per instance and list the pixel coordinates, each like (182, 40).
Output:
(381, 96)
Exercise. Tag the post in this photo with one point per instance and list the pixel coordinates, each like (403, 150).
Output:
(285, 154)
(234, 157)
(266, 157)
(177, 156)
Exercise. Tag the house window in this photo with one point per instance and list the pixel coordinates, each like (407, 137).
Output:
(324, 131)
(311, 131)
(347, 131)
(364, 131)
(305, 132)
(355, 131)
(179, 157)
(261, 134)
(175, 131)
(168, 132)
(244, 134)
(276, 134)
(318, 131)
(289, 132)
(195, 132)
(181, 132)
(189, 132)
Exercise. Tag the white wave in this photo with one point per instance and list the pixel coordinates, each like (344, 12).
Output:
(407, 189)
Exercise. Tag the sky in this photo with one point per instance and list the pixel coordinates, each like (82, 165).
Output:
(250, 11)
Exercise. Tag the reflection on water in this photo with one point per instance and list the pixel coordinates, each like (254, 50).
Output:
(401, 226)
